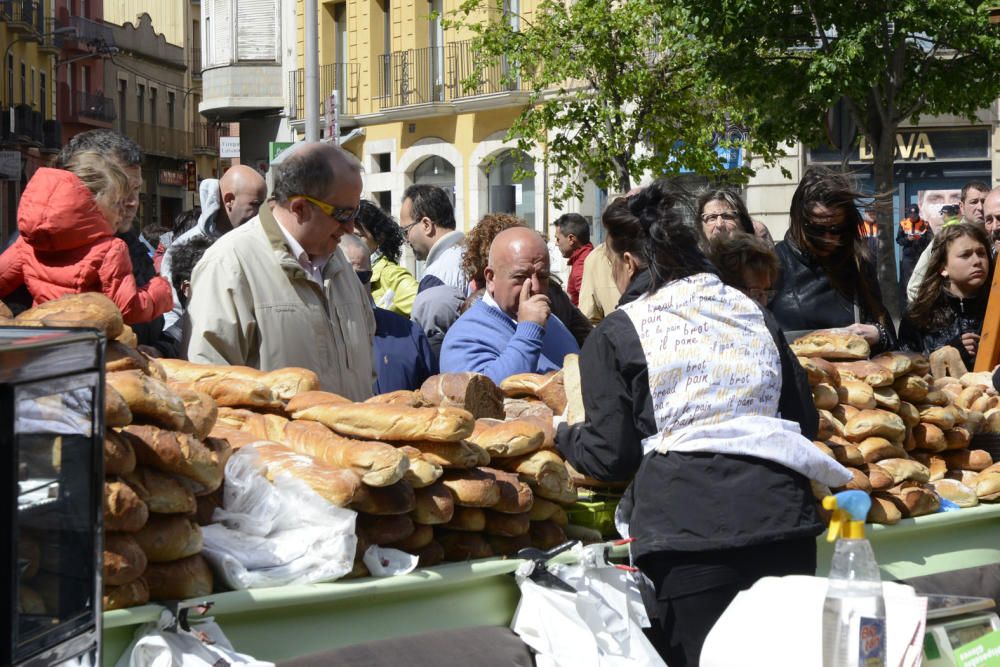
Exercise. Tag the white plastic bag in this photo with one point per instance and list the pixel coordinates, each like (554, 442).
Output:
(154, 646)
(600, 625)
(276, 534)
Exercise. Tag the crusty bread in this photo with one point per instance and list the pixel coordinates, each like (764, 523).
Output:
(828, 425)
(545, 472)
(128, 337)
(880, 479)
(88, 309)
(116, 410)
(124, 559)
(421, 472)
(542, 509)
(875, 449)
(390, 422)
(887, 399)
(549, 388)
(179, 580)
(176, 453)
(859, 482)
(124, 511)
(899, 364)
(201, 411)
(957, 438)
(398, 498)
(472, 392)
(309, 399)
(860, 395)
(912, 388)
(286, 383)
(149, 399)
(868, 423)
(455, 455)
(935, 464)
(119, 458)
(429, 555)
(508, 546)
(883, 509)
(435, 505)
(461, 546)
(378, 464)
(902, 470)
(121, 357)
(866, 371)
(916, 500)
(162, 493)
(987, 485)
(168, 537)
(338, 486)
(132, 594)
(846, 454)
(831, 345)
(406, 397)
(909, 414)
(820, 371)
(843, 413)
(516, 408)
(967, 459)
(825, 396)
(420, 537)
(516, 497)
(469, 519)
(506, 525)
(505, 439)
(947, 362)
(929, 438)
(945, 417)
(956, 492)
(236, 438)
(236, 392)
(546, 534)
(383, 530)
(573, 388)
(472, 488)
(266, 426)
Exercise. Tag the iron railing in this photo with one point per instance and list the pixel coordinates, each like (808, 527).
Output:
(94, 107)
(19, 13)
(345, 78)
(206, 137)
(91, 33)
(491, 81)
(159, 140)
(47, 38)
(196, 61)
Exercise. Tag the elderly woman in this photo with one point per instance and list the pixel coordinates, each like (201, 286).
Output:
(827, 276)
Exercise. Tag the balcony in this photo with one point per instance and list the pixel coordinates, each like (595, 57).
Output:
(28, 125)
(77, 106)
(343, 77)
(435, 75)
(47, 41)
(20, 15)
(90, 35)
(158, 140)
(206, 138)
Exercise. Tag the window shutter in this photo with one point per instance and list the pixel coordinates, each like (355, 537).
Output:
(257, 35)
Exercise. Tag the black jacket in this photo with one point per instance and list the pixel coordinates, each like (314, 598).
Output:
(805, 300)
(149, 333)
(962, 316)
(640, 284)
(684, 501)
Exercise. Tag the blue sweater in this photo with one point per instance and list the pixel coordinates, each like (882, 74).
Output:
(401, 354)
(484, 340)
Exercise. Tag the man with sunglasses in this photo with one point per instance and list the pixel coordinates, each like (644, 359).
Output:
(277, 291)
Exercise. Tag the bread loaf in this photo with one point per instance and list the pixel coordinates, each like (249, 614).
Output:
(434, 505)
(956, 492)
(429, 555)
(178, 370)
(233, 417)
(516, 408)
(822, 446)
(179, 580)
(124, 511)
(875, 449)
(545, 472)
(911, 388)
(542, 510)
(909, 414)
(887, 399)
(883, 510)
(825, 396)
(549, 388)
(858, 483)
(944, 417)
(868, 423)
(509, 546)
(201, 411)
(5, 312)
(916, 500)
(176, 453)
(132, 594)
(162, 493)
(398, 498)
(121, 357)
(88, 309)
(286, 383)
(118, 455)
(460, 546)
(452, 455)
(506, 525)
(868, 372)
(338, 486)
(405, 397)
(547, 428)
(880, 479)
(149, 399)
(898, 364)
(378, 464)
(828, 425)
(929, 438)
(820, 371)
(860, 395)
(957, 438)
(843, 413)
(236, 439)
(390, 422)
(207, 504)
(935, 464)
(124, 559)
(472, 392)
(418, 538)
(468, 519)
(546, 535)
(383, 530)
(967, 459)
(309, 399)
(116, 411)
(237, 392)
(507, 439)
(573, 388)
(421, 472)
(987, 486)
(472, 487)
(831, 345)
(947, 362)
(515, 496)
(167, 537)
(970, 395)
(902, 470)
(846, 454)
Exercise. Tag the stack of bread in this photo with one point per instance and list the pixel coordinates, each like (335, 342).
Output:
(902, 423)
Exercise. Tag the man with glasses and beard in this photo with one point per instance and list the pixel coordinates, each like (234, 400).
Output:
(827, 278)
(277, 291)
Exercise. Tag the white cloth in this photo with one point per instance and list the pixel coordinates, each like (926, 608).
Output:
(154, 646)
(313, 268)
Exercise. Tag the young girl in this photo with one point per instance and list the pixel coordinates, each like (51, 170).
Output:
(952, 301)
(67, 221)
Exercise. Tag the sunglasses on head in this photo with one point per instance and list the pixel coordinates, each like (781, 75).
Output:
(340, 214)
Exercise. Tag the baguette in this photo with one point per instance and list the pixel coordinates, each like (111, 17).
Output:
(149, 399)
(178, 370)
(831, 345)
(179, 580)
(176, 453)
(435, 505)
(339, 487)
(404, 397)
(390, 422)
(472, 392)
(309, 399)
(236, 392)
(169, 537)
(378, 464)
(287, 383)
(452, 455)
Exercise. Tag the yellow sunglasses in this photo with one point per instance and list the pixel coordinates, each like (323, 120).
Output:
(338, 213)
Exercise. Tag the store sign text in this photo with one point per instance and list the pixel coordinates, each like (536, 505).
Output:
(912, 146)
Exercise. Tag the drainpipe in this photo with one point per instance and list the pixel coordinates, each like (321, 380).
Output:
(312, 70)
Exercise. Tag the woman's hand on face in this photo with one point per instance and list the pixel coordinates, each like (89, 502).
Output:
(867, 331)
(970, 341)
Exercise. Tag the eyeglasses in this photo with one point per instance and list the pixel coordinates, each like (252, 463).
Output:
(760, 295)
(728, 216)
(406, 228)
(341, 214)
(814, 228)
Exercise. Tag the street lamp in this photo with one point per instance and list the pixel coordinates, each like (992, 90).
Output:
(65, 30)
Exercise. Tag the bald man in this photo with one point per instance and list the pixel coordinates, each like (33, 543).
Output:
(511, 329)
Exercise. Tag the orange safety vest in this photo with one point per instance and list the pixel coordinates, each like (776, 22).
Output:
(919, 227)
(867, 229)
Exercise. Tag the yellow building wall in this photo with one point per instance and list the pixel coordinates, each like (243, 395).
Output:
(26, 51)
(168, 17)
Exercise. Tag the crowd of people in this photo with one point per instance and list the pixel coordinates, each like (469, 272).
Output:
(680, 318)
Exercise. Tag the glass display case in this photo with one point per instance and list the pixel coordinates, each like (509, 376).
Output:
(51, 443)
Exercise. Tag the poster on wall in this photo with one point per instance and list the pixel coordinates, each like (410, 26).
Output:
(931, 201)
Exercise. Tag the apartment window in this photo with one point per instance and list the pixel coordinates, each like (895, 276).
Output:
(122, 104)
(170, 110)
(512, 10)
(383, 162)
(41, 95)
(24, 83)
(152, 106)
(436, 41)
(386, 48)
(141, 92)
(343, 55)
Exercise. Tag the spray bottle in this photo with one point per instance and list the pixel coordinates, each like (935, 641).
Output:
(854, 612)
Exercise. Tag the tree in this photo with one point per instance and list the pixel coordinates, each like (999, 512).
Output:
(615, 88)
(885, 61)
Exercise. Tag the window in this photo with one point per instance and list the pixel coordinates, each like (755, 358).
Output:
(383, 162)
(170, 110)
(386, 48)
(33, 99)
(10, 80)
(141, 92)
(42, 96)
(343, 55)
(436, 42)
(152, 106)
(24, 83)
(122, 105)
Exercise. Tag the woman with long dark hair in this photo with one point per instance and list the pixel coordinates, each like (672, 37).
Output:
(951, 305)
(393, 287)
(827, 275)
(683, 388)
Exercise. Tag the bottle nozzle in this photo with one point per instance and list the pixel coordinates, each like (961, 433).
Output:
(850, 509)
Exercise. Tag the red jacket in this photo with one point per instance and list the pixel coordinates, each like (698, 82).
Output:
(576, 272)
(67, 247)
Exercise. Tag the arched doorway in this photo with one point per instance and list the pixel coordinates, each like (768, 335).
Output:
(507, 195)
(435, 170)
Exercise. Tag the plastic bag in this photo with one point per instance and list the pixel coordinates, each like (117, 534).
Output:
(154, 646)
(276, 534)
(599, 625)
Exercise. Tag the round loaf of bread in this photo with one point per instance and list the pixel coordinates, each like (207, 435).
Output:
(473, 392)
(398, 498)
(421, 536)
(825, 396)
(116, 411)
(820, 371)
(887, 399)
(909, 414)
(516, 408)
(883, 510)
(162, 492)
(904, 470)
(506, 525)
(472, 488)
(875, 449)
(468, 519)
(434, 505)
(124, 559)
(119, 458)
(461, 546)
(168, 537)
(868, 423)
(944, 417)
(176, 453)
(935, 464)
(967, 459)
(917, 500)
(956, 492)
(179, 580)
(899, 364)
(124, 511)
(516, 497)
(859, 482)
(88, 309)
(911, 388)
(149, 399)
(860, 395)
(929, 438)
(132, 594)
(511, 438)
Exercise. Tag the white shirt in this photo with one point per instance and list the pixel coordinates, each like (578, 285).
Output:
(313, 269)
(490, 301)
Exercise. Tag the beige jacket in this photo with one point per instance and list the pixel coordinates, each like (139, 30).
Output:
(598, 293)
(252, 304)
